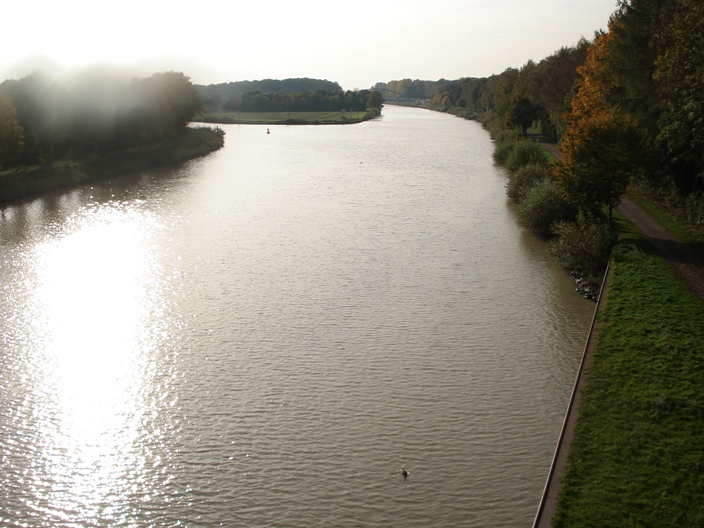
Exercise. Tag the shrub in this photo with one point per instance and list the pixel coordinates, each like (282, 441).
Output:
(544, 206)
(523, 180)
(492, 123)
(509, 134)
(502, 151)
(505, 142)
(583, 246)
(694, 209)
(688, 209)
(524, 153)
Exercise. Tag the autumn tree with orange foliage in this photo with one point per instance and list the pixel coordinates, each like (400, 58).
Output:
(601, 144)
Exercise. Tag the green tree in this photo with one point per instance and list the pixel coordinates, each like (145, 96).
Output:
(600, 156)
(471, 92)
(260, 103)
(31, 97)
(496, 97)
(680, 79)
(557, 78)
(11, 136)
(375, 100)
(521, 113)
(177, 100)
(633, 53)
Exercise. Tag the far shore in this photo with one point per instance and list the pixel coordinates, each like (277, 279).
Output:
(288, 118)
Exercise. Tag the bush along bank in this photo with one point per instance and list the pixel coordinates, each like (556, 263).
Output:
(580, 240)
(27, 182)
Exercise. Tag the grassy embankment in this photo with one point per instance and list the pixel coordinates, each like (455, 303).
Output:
(33, 181)
(637, 457)
(292, 118)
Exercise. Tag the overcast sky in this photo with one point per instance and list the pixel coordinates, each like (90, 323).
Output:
(356, 43)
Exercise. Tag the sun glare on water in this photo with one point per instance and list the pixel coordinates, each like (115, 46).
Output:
(94, 313)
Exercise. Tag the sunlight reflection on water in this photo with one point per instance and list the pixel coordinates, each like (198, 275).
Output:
(95, 320)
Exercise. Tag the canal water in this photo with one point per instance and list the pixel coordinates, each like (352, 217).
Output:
(265, 336)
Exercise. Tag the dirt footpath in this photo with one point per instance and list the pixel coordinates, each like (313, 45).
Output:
(688, 263)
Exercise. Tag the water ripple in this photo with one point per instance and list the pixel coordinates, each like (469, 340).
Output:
(265, 336)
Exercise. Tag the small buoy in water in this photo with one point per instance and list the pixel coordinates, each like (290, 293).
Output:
(404, 473)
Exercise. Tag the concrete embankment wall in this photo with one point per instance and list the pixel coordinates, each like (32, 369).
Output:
(548, 501)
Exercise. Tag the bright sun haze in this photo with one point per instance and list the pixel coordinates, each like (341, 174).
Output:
(355, 44)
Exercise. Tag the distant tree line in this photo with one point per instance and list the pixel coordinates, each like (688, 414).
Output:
(214, 96)
(536, 92)
(627, 109)
(316, 101)
(43, 120)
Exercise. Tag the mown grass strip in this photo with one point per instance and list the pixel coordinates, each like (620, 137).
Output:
(637, 458)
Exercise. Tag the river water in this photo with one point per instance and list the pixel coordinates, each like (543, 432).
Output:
(265, 336)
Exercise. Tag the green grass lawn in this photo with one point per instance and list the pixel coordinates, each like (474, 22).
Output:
(272, 118)
(638, 454)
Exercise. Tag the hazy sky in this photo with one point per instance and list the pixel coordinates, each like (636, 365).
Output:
(355, 43)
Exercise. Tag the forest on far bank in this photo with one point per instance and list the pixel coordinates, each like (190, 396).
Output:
(216, 96)
(286, 95)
